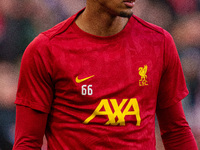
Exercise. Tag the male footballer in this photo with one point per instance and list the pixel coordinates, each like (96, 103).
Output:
(95, 82)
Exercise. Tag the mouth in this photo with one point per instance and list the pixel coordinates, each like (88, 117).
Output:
(129, 3)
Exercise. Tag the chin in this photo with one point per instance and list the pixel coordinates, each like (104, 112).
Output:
(126, 14)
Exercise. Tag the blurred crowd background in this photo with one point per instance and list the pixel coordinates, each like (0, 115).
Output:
(22, 20)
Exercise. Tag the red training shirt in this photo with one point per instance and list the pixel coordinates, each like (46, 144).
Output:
(101, 92)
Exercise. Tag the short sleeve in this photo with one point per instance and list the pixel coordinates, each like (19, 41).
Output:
(35, 86)
(172, 86)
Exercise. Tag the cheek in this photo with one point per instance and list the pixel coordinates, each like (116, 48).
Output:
(110, 4)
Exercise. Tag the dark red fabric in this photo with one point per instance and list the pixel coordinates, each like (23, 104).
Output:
(175, 131)
(30, 128)
(130, 74)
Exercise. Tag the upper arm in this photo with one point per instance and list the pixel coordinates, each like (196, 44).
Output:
(175, 131)
(34, 94)
(35, 87)
(172, 86)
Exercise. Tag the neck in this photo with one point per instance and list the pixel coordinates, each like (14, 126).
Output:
(100, 23)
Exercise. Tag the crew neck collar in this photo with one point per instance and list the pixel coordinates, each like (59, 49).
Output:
(119, 35)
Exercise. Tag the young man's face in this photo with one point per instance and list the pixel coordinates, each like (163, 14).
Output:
(123, 8)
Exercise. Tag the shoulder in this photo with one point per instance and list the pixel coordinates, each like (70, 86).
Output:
(42, 41)
(59, 28)
(144, 25)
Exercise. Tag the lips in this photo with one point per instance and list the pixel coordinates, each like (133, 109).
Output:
(129, 3)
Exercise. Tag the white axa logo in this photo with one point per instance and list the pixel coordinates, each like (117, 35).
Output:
(117, 111)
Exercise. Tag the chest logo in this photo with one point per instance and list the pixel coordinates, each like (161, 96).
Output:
(81, 80)
(142, 73)
(118, 116)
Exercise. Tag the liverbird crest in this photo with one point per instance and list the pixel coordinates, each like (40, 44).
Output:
(142, 73)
